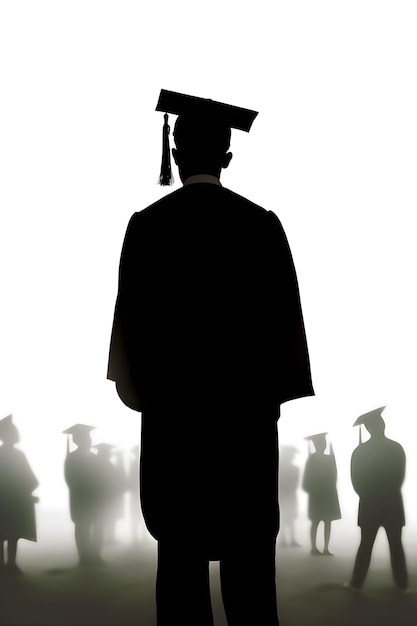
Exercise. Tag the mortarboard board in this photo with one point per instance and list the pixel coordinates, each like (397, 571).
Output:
(367, 418)
(104, 446)
(316, 438)
(78, 428)
(202, 109)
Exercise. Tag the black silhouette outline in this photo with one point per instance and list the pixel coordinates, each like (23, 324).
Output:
(208, 341)
(378, 471)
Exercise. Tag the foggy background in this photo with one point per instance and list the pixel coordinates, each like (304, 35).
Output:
(332, 152)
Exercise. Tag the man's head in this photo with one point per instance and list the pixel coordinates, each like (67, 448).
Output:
(202, 134)
(373, 422)
(375, 426)
(201, 149)
(319, 442)
(81, 435)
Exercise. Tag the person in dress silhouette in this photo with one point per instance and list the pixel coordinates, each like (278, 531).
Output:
(17, 502)
(319, 481)
(378, 471)
(208, 341)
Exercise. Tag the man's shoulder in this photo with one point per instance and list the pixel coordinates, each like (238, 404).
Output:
(205, 194)
(381, 446)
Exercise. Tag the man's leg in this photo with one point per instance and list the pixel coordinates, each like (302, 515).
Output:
(398, 564)
(83, 540)
(182, 586)
(247, 576)
(363, 557)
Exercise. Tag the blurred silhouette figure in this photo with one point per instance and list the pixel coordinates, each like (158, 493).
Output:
(208, 341)
(289, 478)
(136, 518)
(378, 472)
(17, 504)
(319, 481)
(114, 486)
(83, 476)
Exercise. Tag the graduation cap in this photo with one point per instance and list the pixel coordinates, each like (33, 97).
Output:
(205, 112)
(104, 446)
(369, 418)
(77, 429)
(317, 438)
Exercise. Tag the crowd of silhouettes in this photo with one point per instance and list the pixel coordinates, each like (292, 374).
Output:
(97, 481)
(377, 474)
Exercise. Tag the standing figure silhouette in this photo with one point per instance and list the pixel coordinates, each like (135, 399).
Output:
(319, 481)
(17, 504)
(289, 479)
(137, 527)
(208, 341)
(114, 486)
(84, 478)
(378, 472)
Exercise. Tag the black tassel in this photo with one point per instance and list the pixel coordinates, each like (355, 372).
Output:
(166, 177)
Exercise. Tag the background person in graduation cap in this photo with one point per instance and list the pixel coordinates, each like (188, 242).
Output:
(319, 481)
(114, 485)
(84, 478)
(208, 341)
(17, 503)
(289, 480)
(378, 472)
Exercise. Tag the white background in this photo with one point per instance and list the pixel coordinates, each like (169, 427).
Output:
(332, 152)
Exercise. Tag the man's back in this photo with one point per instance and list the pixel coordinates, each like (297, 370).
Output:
(378, 471)
(209, 301)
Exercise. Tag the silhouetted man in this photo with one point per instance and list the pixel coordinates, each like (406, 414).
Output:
(85, 483)
(114, 485)
(378, 471)
(208, 341)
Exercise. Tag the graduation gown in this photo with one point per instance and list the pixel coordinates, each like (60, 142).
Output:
(208, 340)
(289, 477)
(319, 481)
(17, 504)
(86, 485)
(377, 472)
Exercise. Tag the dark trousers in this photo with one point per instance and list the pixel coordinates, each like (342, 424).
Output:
(247, 578)
(363, 557)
